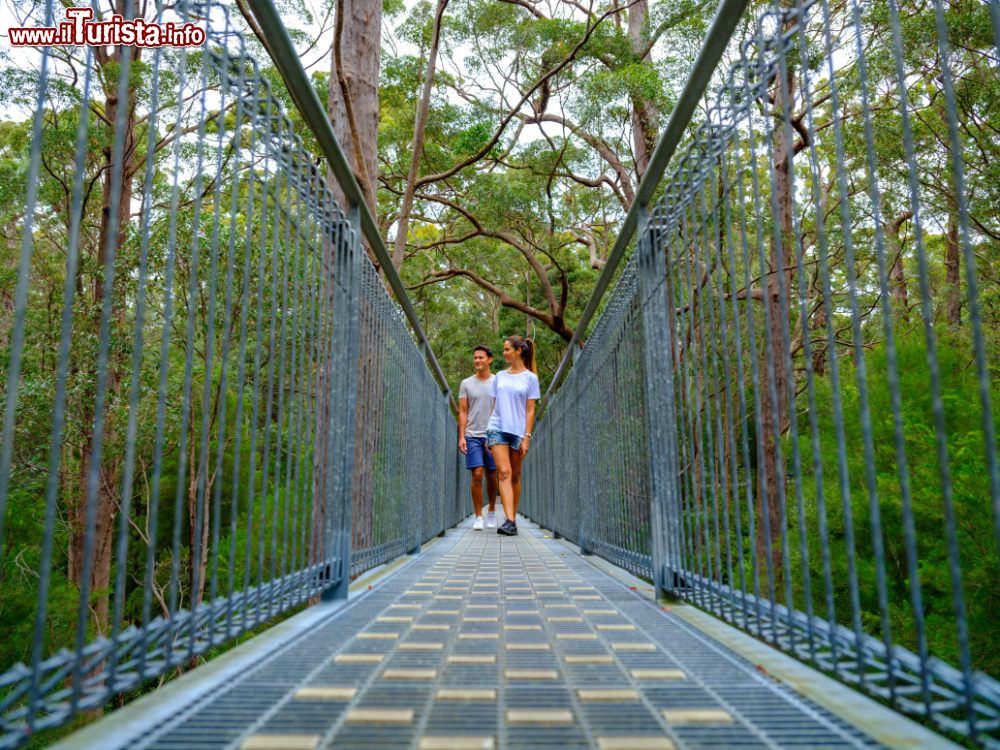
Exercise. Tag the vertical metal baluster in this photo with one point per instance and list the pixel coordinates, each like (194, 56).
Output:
(224, 375)
(767, 386)
(138, 346)
(845, 491)
(787, 247)
(275, 362)
(982, 375)
(659, 397)
(913, 201)
(700, 387)
(282, 242)
(304, 475)
(183, 452)
(751, 344)
(584, 459)
(812, 173)
(678, 270)
(734, 382)
(12, 383)
(878, 544)
(164, 368)
(12, 377)
(718, 340)
(201, 493)
(344, 400)
(111, 253)
(293, 245)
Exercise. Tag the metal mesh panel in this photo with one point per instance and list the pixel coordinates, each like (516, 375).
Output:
(191, 317)
(403, 421)
(594, 489)
(817, 390)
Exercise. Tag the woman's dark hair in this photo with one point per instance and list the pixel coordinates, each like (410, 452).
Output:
(526, 348)
(482, 349)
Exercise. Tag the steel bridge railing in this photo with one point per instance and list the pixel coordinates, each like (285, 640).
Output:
(210, 400)
(785, 413)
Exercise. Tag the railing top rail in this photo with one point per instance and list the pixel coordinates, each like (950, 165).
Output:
(727, 15)
(279, 46)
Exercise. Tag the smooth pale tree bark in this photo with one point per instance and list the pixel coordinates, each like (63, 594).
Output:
(645, 122)
(774, 415)
(353, 101)
(419, 130)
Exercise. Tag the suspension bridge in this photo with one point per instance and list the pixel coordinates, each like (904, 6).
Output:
(228, 442)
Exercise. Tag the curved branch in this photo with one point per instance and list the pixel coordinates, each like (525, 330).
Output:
(427, 179)
(511, 240)
(554, 322)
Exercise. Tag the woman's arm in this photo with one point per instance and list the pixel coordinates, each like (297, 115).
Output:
(493, 406)
(529, 422)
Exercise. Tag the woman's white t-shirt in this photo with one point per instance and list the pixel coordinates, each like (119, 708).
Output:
(512, 393)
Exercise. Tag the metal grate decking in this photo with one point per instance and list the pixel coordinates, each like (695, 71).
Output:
(485, 641)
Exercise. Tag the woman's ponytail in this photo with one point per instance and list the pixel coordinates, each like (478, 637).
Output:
(528, 356)
(526, 348)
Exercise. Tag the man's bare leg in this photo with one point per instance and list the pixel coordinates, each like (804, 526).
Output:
(477, 491)
(492, 489)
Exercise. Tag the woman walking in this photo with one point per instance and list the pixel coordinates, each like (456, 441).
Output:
(514, 391)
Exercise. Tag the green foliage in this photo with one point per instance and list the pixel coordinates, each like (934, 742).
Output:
(966, 465)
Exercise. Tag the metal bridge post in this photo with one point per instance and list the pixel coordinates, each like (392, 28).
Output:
(457, 500)
(584, 462)
(344, 401)
(554, 486)
(441, 490)
(659, 393)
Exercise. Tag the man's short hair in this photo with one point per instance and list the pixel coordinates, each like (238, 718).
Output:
(483, 349)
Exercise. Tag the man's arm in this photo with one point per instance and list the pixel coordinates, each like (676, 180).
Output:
(463, 419)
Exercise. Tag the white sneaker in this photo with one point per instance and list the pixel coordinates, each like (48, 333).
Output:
(491, 520)
(478, 525)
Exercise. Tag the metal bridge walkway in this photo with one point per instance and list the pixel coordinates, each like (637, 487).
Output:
(480, 642)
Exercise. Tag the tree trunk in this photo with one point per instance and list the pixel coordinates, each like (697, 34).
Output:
(818, 332)
(419, 128)
(952, 262)
(774, 416)
(106, 501)
(645, 123)
(353, 103)
(897, 273)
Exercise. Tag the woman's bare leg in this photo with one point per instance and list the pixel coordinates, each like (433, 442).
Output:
(516, 459)
(502, 457)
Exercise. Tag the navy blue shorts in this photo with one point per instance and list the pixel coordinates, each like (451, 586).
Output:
(476, 454)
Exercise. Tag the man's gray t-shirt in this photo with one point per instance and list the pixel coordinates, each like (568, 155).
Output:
(480, 404)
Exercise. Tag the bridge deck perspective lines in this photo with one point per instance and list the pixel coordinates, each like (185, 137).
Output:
(484, 641)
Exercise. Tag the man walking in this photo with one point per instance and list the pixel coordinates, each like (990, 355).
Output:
(474, 407)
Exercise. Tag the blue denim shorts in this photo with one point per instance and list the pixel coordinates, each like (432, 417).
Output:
(495, 437)
(476, 454)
